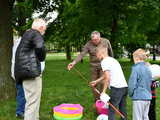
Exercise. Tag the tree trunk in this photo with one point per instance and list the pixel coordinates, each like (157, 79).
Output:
(154, 53)
(114, 30)
(80, 49)
(113, 37)
(68, 52)
(7, 88)
(21, 18)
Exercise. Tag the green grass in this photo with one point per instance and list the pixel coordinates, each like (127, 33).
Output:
(62, 86)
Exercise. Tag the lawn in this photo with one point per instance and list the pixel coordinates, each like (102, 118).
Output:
(62, 86)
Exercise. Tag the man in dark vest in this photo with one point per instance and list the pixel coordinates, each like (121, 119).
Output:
(29, 55)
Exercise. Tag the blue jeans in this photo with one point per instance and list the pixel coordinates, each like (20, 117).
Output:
(118, 99)
(20, 99)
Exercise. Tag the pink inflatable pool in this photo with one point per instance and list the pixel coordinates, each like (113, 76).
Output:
(100, 107)
(68, 112)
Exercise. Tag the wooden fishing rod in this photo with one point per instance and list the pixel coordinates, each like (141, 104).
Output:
(116, 110)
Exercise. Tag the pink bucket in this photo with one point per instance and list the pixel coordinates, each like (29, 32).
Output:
(100, 107)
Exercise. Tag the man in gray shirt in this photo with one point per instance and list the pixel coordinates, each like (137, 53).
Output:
(90, 48)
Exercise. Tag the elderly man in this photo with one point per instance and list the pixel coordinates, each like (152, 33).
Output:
(29, 54)
(90, 47)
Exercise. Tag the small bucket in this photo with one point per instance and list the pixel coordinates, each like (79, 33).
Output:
(100, 107)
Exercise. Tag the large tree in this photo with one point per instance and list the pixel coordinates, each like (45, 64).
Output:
(16, 15)
(6, 83)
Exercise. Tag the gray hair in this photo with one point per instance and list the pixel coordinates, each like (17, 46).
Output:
(37, 23)
(95, 33)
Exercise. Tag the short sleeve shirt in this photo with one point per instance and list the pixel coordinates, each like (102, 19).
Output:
(117, 78)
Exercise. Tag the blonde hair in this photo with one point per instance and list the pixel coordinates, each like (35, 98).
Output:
(37, 23)
(140, 54)
(101, 49)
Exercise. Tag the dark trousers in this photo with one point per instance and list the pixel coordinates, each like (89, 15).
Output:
(20, 99)
(152, 112)
(118, 99)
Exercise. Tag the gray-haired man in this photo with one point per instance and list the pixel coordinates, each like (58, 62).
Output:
(28, 69)
(90, 47)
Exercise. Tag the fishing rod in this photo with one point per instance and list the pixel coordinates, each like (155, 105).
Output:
(116, 110)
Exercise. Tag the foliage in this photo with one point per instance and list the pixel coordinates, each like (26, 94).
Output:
(24, 9)
(125, 23)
